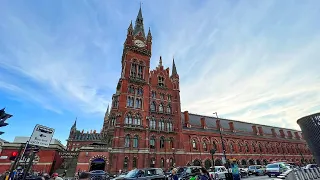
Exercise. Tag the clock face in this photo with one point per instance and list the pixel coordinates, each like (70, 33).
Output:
(139, 43)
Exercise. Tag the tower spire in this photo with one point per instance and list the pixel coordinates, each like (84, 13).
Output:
(138, 27)
(174, 69)
(107, 112)
(160, 61)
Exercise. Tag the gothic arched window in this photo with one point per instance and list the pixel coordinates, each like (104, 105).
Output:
(152, 123)
(169, 109)
(128, 119)
(130, 101)
(134, 162)
(133, 70)
(231, 148)
(152, 142)
(247, 147)
(161, 108)
(162, 142)
(160, 81)
(204, 146)
(214, 146)
(253, 147)
(169, 126)
(153, 106)
(161, 124)
(140, 91)
(135, 141)
(137, 119)
(194, 144)
(260, 148)
(171, 143)
(162, 163)
(131, 89)
(127, 141)
(240, 147)
(125, 163)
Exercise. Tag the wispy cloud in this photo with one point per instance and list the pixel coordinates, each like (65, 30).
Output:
(247, 60)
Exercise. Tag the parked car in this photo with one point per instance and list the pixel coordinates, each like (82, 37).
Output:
(310, 166)
(146, 174)
(243, 172)
(256, 170)
(218, 172)
(185, 172)
(99, 174)
(275, 169)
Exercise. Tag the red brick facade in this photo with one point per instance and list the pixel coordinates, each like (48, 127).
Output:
(47, 160)
(145, 126)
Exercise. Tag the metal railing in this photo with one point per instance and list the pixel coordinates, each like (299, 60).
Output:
(301, 174)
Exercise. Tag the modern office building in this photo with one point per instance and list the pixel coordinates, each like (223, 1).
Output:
(310, 126)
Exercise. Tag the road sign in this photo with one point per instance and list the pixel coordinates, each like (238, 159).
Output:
(41, 136)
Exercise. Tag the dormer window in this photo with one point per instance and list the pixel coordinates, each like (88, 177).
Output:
(161, 81)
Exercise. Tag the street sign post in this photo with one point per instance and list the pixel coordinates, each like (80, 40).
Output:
(41, 136)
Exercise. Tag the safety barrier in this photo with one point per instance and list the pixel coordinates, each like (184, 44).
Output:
(301, 174)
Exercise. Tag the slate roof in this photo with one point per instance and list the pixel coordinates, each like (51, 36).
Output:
(239, 126)
(87, 136)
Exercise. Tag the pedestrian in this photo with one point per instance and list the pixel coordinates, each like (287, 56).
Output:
(204, 174)
(55, 176)
(174, 174)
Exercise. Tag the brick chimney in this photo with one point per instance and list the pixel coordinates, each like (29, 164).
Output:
(254, 130)
(282, 133)
(203, 122)
(231, 126)
(274, 134)
(289, 134)
(218, 124)
(260, 131)
(296, 134)
(186, 118)
(94, 131)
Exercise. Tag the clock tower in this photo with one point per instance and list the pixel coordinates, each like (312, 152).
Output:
(130, 103)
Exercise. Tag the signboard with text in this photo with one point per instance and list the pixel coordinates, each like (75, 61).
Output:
(41, 136)
(68, 154)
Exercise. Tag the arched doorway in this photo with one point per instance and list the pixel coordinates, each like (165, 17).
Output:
(152, 162)
(196, 162)
(258, 162)
(251, 162)
(218, 162)
(244, 162)
(97, 164)
(265, 162)
(207, 164)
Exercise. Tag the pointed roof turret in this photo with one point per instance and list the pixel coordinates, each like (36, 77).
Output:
(174, 69)
(138, 27)
(107, 112)
(130, 28)
(74, 126)
(149, 36)
(160, 61)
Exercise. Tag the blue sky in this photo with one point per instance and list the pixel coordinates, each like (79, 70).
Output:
(255, 61)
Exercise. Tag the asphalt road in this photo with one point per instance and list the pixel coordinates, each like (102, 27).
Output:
(259, 178)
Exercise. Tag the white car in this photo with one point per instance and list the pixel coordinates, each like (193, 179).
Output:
(218, 172)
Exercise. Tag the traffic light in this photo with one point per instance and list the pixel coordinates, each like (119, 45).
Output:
(13, 156)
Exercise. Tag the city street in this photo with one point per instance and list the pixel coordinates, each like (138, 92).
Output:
(259, 178)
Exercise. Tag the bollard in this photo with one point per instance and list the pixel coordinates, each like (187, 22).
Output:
(310, 173)
(316, 170)
(291, 176)
(314, 175)
(305, 174)
(300, 175)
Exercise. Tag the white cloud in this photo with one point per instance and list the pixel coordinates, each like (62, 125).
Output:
(250, 61)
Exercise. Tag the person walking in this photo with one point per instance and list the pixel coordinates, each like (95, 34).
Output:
(174, 175)
(204, 174)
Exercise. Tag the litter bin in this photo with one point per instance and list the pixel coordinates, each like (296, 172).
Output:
(229, 176)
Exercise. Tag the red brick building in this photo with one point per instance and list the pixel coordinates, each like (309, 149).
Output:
(145, 126)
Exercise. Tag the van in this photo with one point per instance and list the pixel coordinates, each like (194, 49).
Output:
(275, 169)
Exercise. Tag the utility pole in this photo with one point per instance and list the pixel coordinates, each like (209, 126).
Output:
(222, 143)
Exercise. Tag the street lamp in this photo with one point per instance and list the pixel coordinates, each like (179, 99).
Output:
(223, 147)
